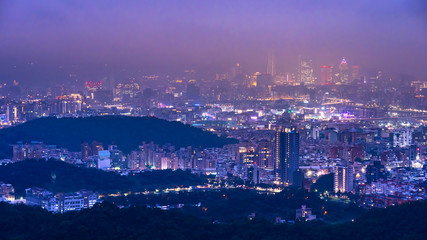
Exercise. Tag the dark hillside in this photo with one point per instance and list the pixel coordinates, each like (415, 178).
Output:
(125, 132)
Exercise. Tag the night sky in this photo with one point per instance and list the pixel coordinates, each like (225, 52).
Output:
(44, 41)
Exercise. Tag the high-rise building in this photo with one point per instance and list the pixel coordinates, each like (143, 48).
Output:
(86, 151)
(411, 155)
(12, 113)
(252, 173)
(355, 73)
(298, 178)
(249, 157)
(401, 137)
(326, 75)
(343, 179)
(375, 172)
(236, 71)
(265, 155)
(279, 79)
(315, 133)
(8, 115)
(289, 77)
(27, 151)
(344, 74)
(134, 161)
(96, 147)
(286, 155)
(264, 80)
(118, 161)
(193, 91)
(271, 65)
(305, 70)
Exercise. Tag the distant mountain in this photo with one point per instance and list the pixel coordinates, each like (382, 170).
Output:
(125, 132)
(57, 176)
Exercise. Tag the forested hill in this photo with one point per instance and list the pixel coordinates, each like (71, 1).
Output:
(57, 176)
(106, 221)
(125, 132)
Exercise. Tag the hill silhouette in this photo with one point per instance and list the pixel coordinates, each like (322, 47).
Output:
(57, 176)
(125, 132)
(107, 221)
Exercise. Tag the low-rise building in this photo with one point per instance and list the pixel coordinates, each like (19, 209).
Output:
(61, 202)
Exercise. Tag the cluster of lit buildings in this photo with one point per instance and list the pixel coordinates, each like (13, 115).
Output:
(337, 93)
(357, 156)
(56, 203)
(61, 202)
(39, 150)
(7, 192)
(277, 155)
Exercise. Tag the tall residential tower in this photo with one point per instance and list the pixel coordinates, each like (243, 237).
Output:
(286, 155)
(343, 178)
(271, 64)
(344, 74)
(326, 75)
(305, 70)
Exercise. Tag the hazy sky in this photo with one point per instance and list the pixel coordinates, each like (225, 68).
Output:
(44, 40)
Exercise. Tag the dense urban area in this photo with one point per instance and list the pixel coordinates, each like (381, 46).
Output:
(231, 120)
(350, 138)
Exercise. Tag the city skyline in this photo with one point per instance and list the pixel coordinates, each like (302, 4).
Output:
(243, 119)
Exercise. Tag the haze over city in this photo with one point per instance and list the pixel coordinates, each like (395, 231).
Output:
(46, 41)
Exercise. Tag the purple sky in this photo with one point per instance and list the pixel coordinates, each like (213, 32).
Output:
(87, 37)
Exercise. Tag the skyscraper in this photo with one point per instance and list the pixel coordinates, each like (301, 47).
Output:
(344, 75)
(326, 75)
(343, 179)
(355, 73)
(265, 158)
(193, 91)
(286, 155)
(236, 71)
(271, 64)
(305, 70)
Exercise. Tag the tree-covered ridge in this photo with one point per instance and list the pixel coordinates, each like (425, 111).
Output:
(58, 176)
(106, 221)
(125, 132)
(227, 205)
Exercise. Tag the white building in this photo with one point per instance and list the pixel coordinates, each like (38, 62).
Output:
(104, 161)
(60, 203)
(401, 137)
(71, 202)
